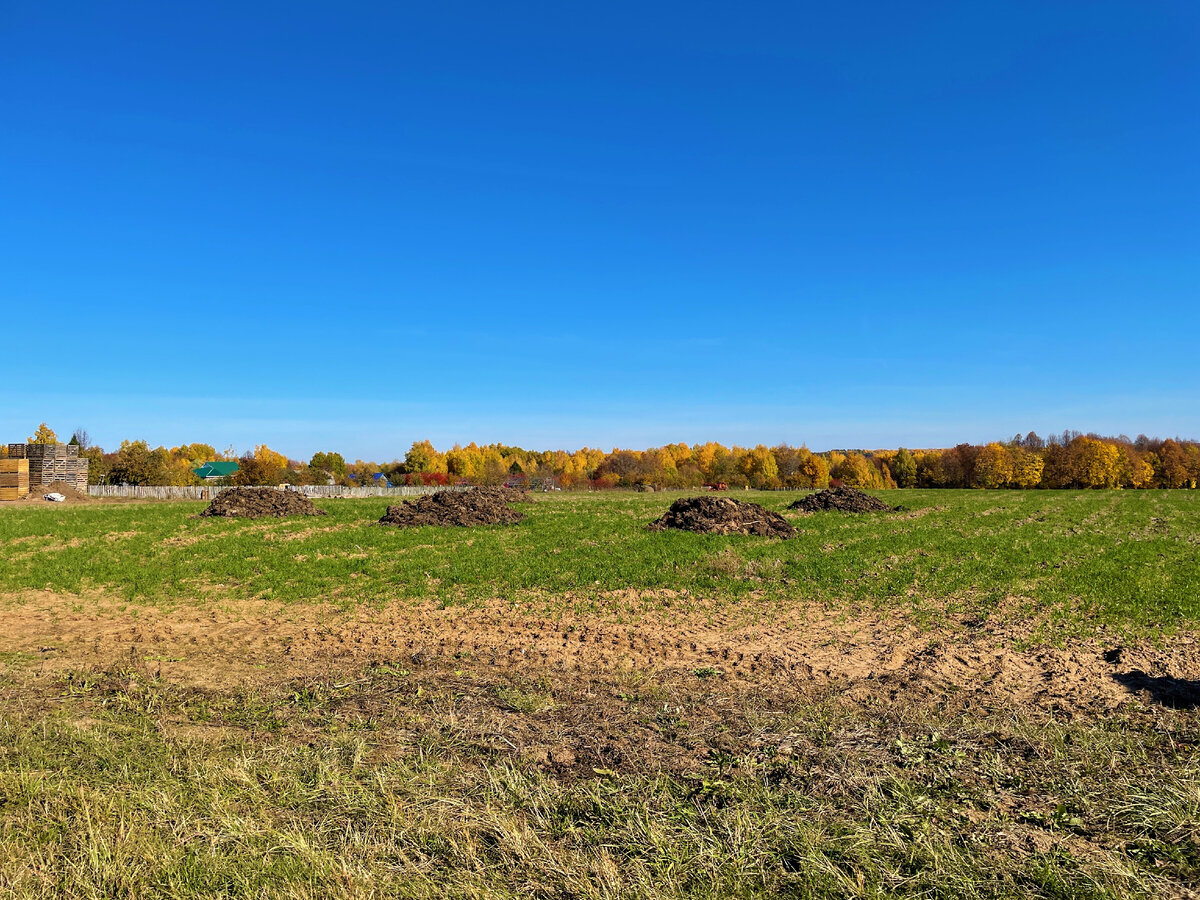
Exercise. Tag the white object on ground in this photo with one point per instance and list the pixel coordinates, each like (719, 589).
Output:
(54, 497)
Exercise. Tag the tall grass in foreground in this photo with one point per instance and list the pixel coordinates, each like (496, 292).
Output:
(121, 794)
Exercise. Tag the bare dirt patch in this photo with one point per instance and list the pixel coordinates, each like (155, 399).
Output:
(842, 499)
(37, 493)
(475, 506)
(866, 658)
(722, 515)
(260, 502)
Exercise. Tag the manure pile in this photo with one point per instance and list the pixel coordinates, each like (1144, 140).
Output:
(260, 502)
(475, 506)
(723, 515)
(842, 499)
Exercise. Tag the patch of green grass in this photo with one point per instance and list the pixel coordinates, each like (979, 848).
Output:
(521, 699)
(1117, 556)
(17, 659)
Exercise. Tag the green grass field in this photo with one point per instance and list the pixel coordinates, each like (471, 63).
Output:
(1127, 557)
(358, 777)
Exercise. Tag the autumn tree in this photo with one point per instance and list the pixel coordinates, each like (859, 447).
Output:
(259, 469)
(965, 456)
(137, 464)
(98, 464)
(855, 471)
(621, 467)
(195, 455)
(1136, 470)
(904, 468)
(1094, 463)
(422, 457)
(759, 467)
(1177, 467)
(465, 462)
(332, 463)
(1027, 468)
(813, 472)
(44, 435)
(993, 466)
(494, 469)
(270, 458)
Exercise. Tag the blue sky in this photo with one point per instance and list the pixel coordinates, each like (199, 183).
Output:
(345, 227)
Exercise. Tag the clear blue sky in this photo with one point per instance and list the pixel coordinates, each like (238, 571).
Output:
(348, 227)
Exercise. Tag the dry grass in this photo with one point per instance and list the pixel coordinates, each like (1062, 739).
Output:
(386, 782)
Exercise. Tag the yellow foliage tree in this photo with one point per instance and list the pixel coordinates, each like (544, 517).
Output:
(706, 456)
(1027, 468)
(465, 462)
(195, 455)
(993, 466)
(1138, 472)
(44, 435)
(422, 457)
(269, 457)
(177, 470)
(1095, 464)
(813, 472)
(855, 470)
(759, 466)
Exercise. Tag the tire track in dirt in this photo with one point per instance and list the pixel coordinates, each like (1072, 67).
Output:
(868, 656)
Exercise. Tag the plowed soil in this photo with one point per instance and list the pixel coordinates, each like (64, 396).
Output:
(463, 509)
(842, 499)
(723, 515)
(866, 658)
(260, 502)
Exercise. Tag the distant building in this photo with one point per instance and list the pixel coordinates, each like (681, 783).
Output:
(376, 480)
(215, 471)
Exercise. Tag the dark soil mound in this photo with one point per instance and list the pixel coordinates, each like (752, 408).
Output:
(723, 515)
(476, 506)
(842, 499)
(260, 502)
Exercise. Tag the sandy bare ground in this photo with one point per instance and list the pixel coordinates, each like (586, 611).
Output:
(865, 657)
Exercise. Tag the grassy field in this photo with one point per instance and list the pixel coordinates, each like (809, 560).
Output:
(1120, 557)
(989, 694)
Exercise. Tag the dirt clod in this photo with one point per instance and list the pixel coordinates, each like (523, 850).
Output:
(260, 502)
(723, 515)
(842, 499)
(475, 506)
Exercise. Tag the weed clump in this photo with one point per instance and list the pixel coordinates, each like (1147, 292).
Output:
(723, 515)
(842, 499)
(463, 509)
(260, 502)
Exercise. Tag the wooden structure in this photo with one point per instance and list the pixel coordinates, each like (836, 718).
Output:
(14, 478)
(52, 462)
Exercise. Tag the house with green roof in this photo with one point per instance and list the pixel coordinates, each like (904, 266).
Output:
(215, 471)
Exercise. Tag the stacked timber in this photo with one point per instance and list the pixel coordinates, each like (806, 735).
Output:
(52, 462)
(14, 479)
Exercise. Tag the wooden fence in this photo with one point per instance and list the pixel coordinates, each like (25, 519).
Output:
(207, 492)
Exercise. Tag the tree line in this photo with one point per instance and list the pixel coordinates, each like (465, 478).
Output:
(1067, 460)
